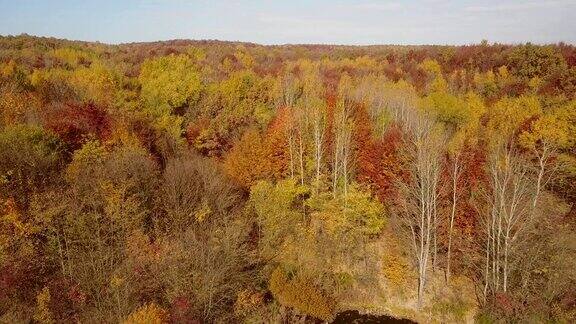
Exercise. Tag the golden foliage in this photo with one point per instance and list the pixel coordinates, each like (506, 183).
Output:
(395, 268)
(14, 107)
(301, 294)
(42, 314)
(147, 314)
(247, 302)
(256, 157)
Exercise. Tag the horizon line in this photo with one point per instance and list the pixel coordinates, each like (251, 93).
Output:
(286, 44)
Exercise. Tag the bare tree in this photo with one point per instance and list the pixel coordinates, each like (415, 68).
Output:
(342, 143)
(318, 120)
(424, 145)
(508, 215)
(455, 174)
(289, 92)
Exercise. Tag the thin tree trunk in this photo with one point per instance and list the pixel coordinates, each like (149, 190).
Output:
(452, 215)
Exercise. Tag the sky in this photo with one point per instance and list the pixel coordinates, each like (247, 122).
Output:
(361, 22)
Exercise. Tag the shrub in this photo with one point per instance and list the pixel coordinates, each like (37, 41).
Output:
(395, 268)
(43, 314)
(29, 161)
(147, 314)
(301, 294)
(452, 309)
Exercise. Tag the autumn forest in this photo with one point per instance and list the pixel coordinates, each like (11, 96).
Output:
(225, 182)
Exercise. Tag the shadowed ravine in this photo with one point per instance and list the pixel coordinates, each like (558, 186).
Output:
(353, 316)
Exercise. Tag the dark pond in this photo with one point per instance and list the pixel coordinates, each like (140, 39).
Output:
(353, 316)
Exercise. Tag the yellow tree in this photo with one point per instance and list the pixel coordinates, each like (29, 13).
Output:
(96, 83)
(507, 216)
(548, 134)
(169, 83)
(436, 82)
(464, 133)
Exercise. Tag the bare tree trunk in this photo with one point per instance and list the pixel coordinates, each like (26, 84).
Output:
(291, 149)
(542, 162)
(335, 166)
(510, 214)
(318, 132)
(342, 147)
(301, 156)
(487, 268)
(345, 166)
(422, 193)
(455, 176)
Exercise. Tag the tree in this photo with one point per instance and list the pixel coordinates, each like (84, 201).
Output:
(300, 293)
(230, 107)
(377, 160)
(191, 184)
(204, 269)
(315, 109)
(508, 215)
(147, 314)
(248, 161)
(529, 61)
(320, 239)
(343, 132)
(169, 82)
(109, 196)
(96, 84)
(461, 116)
(258, 156)
(419, 195)
(546, 137)
(30, 159)
(43, 314)
(436, 82)
(77, 123)
(277, 220)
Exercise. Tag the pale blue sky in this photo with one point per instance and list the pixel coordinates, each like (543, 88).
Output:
(295, 21)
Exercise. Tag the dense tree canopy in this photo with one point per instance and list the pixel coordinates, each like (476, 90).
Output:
(222, 182)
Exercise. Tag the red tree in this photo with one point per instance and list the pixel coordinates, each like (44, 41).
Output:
(75, 123)
(377, 160)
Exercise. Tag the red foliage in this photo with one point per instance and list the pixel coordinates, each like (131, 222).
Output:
(277, 144)
(391, 58)
(21, 277)
(466, 222)
(377, 161)
(331, 78)
(505, 305)
(193, 130)
(76, 123)
(391, 71)
(513, 89)
(149, 138)
(416, 75)
(182, 312)
(66, 298)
